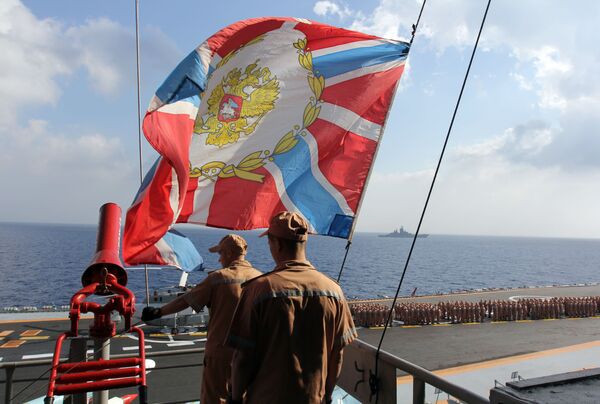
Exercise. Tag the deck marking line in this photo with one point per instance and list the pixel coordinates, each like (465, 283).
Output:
(30, 333)
(549, 319)
(181, 343)
(523, 321)
(198, 334)
(505, 361)
(39, 320)
(6, 333)
(37, 337)
(499, 322)
(441, 325)
(136, 348)
(37, 356)
(471, 323)
(15, 343)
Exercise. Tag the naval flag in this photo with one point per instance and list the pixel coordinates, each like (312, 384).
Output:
(268, 114)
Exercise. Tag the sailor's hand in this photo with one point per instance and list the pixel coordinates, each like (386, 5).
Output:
(151, 313)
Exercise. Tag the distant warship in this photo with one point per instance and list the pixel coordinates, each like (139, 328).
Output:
(401, 233)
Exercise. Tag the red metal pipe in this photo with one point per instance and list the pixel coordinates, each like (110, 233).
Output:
(100, 364)
(96, 386)
(97, 375)
(55, 364)
(142, 350)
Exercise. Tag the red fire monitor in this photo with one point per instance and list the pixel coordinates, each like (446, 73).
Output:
(105, 276)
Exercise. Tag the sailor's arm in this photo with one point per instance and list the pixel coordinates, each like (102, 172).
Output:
(243, 370)
(334, 368)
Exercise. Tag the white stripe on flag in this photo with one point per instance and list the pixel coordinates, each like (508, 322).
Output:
(167, 253)
(316, 171)
(174, 195)
(362, 72)
(283, 196)
(180, 108)
(205, 54)
(202, 198)
(350, 121)
(348, 46)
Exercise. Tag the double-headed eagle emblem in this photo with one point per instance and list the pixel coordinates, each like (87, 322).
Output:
(237, 104)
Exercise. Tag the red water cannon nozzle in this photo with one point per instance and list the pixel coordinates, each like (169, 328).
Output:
(106, 258)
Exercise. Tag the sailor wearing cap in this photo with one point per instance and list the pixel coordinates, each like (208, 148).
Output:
(290, 326)
(220, 292)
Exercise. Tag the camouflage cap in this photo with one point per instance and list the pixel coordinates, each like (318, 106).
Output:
(288, 225)
(230, 243)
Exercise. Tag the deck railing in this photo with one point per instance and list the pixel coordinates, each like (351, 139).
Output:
(10, 367)
(357, 378)
(359, 365)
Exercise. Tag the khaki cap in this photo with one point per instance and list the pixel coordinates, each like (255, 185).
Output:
(288, 225)
(230, 243)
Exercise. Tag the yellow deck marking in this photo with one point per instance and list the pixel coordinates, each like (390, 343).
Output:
(499, 322)
(573, 318)
(404, 326)
(6, 333)
(159, 335)
(549, 319)
(37, 337)
(442, 325)
(30, 333)
(376, 328)
(471, 323)
(39, 320)
(505, 361)
(15, 343)
(523, 321)
(198, 334)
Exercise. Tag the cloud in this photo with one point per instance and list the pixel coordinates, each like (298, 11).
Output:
(326, 8)
(56, 177)
(37, 52)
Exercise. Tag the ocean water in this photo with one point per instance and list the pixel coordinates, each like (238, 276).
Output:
(42, 264)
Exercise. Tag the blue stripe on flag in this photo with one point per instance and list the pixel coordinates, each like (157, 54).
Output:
(341, 62)
(188, 79)
(317, 205)
(188, 257)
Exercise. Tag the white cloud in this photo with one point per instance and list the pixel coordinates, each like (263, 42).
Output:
(57, 178)
(325, 8)
(37, 52)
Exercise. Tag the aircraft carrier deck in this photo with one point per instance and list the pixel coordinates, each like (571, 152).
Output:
(455, 351)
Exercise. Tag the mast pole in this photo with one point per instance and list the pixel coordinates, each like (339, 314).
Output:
(139, 116)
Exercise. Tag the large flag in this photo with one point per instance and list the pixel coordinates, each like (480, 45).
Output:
(268, 114)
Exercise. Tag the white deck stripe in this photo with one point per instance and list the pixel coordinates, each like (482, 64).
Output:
(135, 348)
(316, 171)
(283, 196)
(362, 72)
(182, 343)
(37, 356)
(350, 121)
(347, 46)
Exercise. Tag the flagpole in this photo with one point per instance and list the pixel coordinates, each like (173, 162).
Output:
(139, 116)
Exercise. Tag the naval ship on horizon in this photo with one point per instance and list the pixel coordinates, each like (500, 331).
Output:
(401, 233)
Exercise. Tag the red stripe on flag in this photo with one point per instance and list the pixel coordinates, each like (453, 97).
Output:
(368, 96)
(324, 36)
(344, 159)
(149, 220)
(188, 202)
(241, 204)
(235, 35)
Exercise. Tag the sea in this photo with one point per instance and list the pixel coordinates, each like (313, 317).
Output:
(41, 264)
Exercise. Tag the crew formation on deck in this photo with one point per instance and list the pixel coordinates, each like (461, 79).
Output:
(293, 319)
(375, 314)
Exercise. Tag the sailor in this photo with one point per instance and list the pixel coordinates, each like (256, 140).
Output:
(290, 326)
(220, 292)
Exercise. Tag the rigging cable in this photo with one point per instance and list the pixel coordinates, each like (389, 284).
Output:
(388, 320)
(349, 243)
(139, 117)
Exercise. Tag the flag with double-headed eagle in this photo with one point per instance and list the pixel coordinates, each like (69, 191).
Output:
(268, 114)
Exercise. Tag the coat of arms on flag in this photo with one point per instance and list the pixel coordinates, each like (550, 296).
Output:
(266, 115)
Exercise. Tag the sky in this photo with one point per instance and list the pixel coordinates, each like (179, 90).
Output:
(523, 158)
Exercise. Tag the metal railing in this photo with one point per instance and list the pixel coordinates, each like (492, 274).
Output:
(359, 361)
(10, 367)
